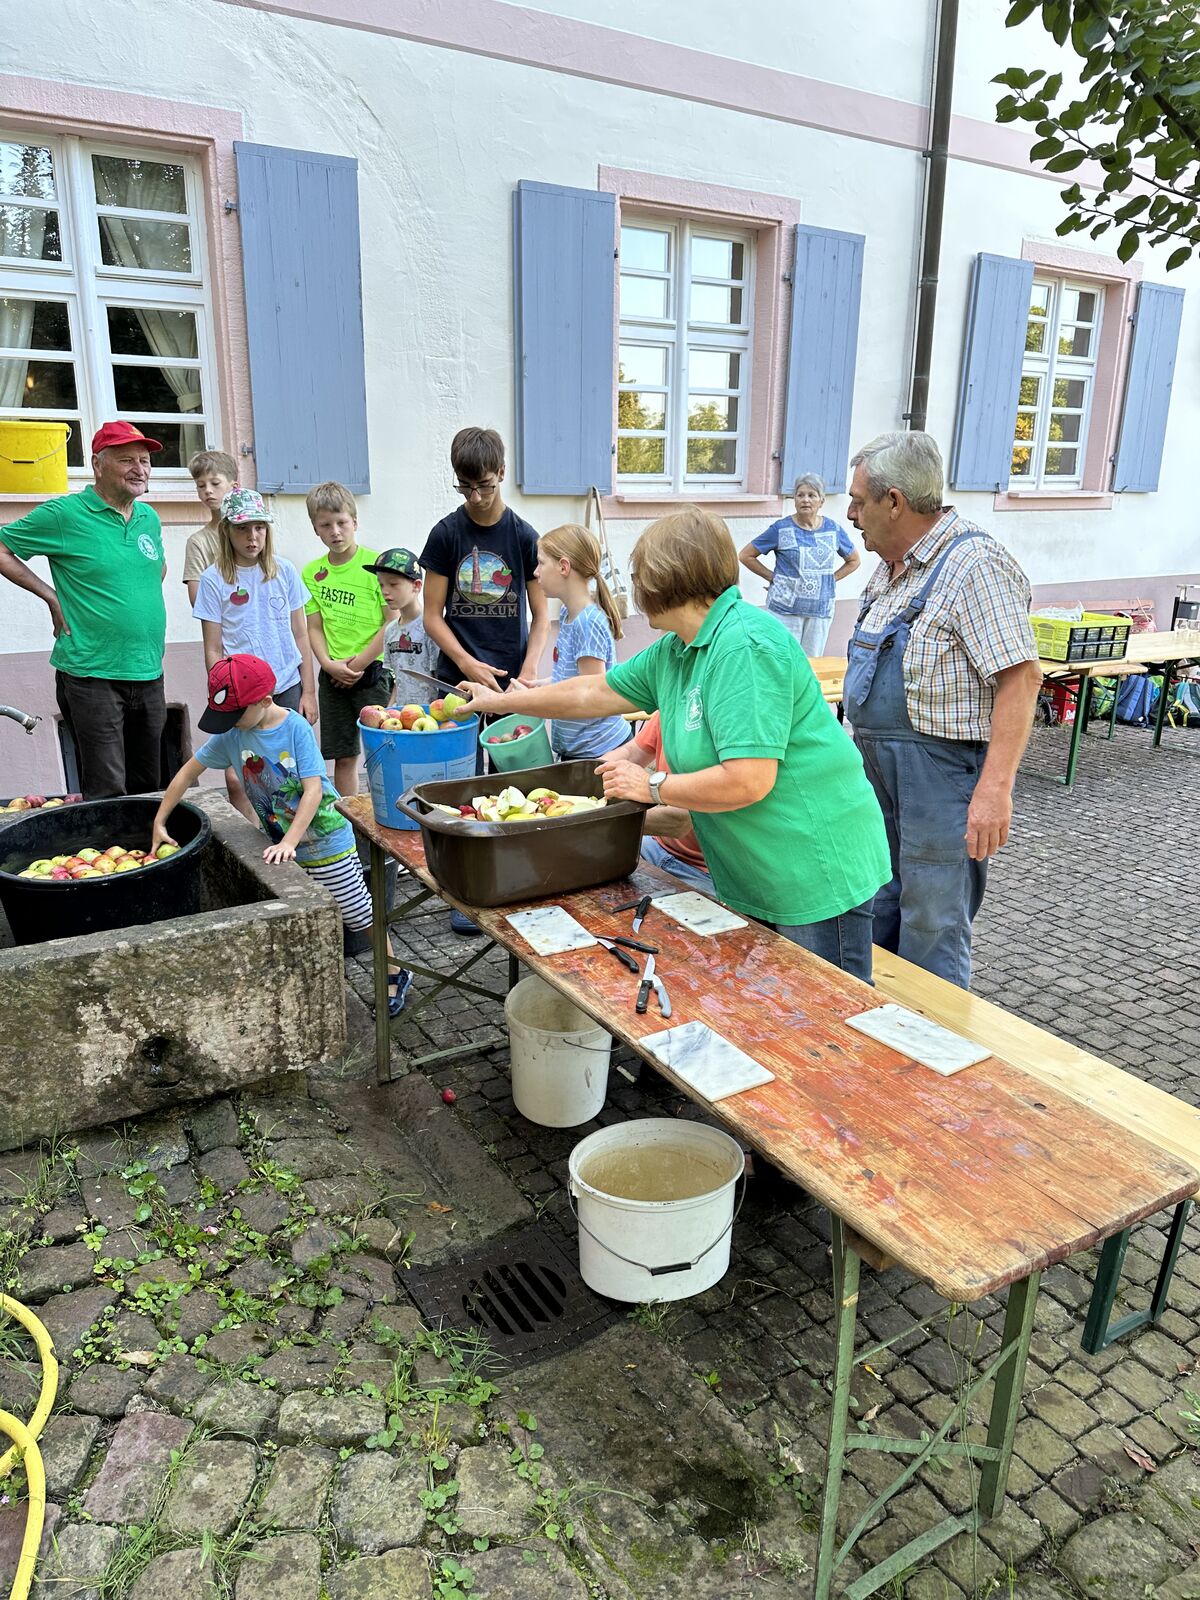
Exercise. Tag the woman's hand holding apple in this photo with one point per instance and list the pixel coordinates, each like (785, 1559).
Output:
(625, 780)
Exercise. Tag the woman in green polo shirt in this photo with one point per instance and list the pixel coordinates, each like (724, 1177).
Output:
(788, 822)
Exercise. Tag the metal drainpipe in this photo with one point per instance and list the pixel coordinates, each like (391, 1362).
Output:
(940, 101)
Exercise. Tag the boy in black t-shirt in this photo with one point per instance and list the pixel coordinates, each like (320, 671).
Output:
(479, 575)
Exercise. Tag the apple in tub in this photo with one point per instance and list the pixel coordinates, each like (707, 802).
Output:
(373, 716)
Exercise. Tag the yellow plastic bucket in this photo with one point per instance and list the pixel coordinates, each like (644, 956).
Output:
(33, 457)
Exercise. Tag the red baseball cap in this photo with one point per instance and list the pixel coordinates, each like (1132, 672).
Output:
(121, 433)
(234, 683)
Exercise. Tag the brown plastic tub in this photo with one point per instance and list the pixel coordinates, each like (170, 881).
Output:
(503, 863)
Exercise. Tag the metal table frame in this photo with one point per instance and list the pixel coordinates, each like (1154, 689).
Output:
(1005, 1371)
(453, 980)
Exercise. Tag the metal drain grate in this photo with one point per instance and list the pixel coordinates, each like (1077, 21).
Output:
(522, 1292)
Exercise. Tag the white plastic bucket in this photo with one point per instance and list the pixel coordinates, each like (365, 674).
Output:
(635, 1247)
(559, 1056)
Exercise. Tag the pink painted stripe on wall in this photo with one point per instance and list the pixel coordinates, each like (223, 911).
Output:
(106, 109)
(609, 55)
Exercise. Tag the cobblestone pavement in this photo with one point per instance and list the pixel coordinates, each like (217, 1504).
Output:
(251, 1405)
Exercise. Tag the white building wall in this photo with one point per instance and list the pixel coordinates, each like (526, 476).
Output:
(442, 137)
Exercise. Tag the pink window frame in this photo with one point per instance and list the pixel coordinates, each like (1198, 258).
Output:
(770, 217)
(1119, 280)
(43, 106)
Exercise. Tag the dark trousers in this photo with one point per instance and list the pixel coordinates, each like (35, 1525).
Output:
(117, 725)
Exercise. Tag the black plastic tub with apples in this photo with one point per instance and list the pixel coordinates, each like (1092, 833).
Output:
(38, 909)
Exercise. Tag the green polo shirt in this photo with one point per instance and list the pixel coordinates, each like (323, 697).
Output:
(743, 689)
(349, 599)
(108, 575)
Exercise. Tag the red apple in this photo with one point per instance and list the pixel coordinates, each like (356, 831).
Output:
(449, 1097)
(410, 714)
(492, 738)
(71, 799)
(373, 716)
(437, 709)
(60, 874)
(116, 851)
(86, 872)
(36, 800)
(320, 574)
(520, 732)
(239, 597)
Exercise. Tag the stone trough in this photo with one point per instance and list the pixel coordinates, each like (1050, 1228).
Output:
(113, 1025)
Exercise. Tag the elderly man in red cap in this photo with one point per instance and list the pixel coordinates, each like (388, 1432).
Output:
(105, 551)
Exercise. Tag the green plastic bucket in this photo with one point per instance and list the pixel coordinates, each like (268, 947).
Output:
(531, 750)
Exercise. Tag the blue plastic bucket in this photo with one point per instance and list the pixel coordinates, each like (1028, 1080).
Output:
(396, 760)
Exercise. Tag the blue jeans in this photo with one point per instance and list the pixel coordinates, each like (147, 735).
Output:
(658, 856)
(843, 941)
(924, 787)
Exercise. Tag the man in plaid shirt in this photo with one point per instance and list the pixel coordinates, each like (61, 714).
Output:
(941, 686)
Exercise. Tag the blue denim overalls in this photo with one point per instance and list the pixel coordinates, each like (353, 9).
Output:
(924, 786)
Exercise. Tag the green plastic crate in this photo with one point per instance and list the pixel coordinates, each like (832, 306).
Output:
(1095, 637)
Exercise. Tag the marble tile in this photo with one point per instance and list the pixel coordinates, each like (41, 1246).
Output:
(549, 930)
(706, 1061)
(920, 1039)
(698, 913)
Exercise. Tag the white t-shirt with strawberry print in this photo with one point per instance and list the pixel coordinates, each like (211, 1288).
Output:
(255, 615)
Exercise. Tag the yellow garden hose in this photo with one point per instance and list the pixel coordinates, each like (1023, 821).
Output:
(24, 1446)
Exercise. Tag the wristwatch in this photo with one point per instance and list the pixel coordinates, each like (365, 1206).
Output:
(657, 779)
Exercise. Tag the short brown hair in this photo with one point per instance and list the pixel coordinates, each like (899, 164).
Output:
(689, 555)
(333, 497)
(214, 461)
(474, 451)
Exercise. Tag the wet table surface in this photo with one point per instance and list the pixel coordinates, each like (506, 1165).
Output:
(972, 1182)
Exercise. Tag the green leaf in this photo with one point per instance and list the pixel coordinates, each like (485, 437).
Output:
(1127, 248)
(1045, 148)
(1019, 12)
(1067, 162)
(1052, 85)
(1178, 257)
(479, 1544)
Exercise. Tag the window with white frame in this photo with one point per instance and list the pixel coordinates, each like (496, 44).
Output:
(1058, 373)
(686, 308)
(104, 308)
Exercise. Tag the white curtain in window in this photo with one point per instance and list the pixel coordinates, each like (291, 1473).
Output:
(16, 324)
(157, 190)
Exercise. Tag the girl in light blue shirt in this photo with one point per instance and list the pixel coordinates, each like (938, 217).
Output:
(589, 625)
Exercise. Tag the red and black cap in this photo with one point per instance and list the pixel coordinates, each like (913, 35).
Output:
(234, 683)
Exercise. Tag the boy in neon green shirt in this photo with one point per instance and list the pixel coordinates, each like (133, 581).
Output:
(346, 622)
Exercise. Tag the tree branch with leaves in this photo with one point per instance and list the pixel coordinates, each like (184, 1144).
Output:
(1136, 114)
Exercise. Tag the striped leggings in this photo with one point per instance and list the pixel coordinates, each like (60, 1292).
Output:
(344, 880)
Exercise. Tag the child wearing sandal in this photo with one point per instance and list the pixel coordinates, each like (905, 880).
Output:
(283, 773)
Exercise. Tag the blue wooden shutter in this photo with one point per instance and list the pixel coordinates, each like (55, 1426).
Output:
(826, 290)
(304, 326)
(1148, 388)
(563, 250)
(997, 316)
